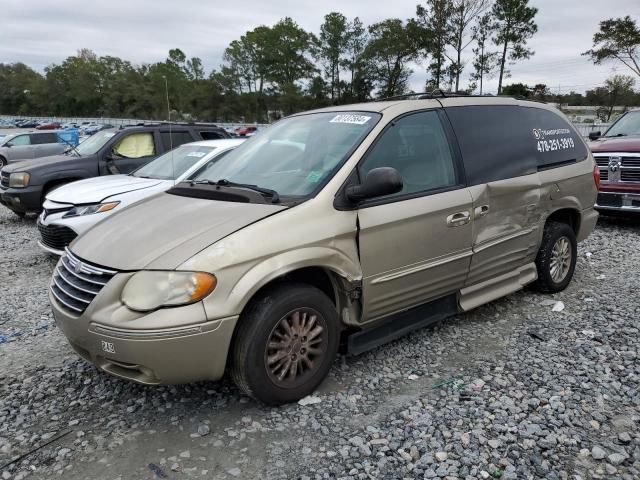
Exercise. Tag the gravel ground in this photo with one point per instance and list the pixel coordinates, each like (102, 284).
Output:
(510, 390)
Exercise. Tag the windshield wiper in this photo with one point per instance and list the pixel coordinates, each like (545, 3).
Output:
(617, 135)
(275, 197)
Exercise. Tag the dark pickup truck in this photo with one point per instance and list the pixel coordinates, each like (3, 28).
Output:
(24, 185)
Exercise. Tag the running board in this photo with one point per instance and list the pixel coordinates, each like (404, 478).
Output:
(497, 287)
(400, 324)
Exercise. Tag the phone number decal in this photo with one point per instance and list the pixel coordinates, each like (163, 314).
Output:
(555, 144)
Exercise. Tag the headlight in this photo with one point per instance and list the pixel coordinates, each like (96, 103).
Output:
(19, 180)
(89, 209)
(149, 290)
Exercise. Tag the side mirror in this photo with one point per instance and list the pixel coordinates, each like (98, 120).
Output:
(378, 182)
(595, 135)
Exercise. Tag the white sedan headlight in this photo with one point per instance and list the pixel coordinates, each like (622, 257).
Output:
(89, 209)
(150, 290)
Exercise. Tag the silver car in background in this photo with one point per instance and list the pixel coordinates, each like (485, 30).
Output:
(23, 146)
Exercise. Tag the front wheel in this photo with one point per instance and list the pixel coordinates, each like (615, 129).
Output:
(285, 343)
(556, 260)
(3, 162)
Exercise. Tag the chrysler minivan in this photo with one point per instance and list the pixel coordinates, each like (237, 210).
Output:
(341, 228)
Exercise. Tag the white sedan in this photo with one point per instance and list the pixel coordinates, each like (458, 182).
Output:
(72, 209)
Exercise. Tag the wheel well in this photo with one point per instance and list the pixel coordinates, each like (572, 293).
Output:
(569, 216)
(315, 276)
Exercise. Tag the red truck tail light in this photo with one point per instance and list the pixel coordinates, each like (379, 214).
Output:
(596, 176)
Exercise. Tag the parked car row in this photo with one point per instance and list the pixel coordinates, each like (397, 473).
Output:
(341, 228)
(24, 185)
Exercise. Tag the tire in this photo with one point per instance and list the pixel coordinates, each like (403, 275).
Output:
(562, 237)
(3, 162)
(263, 324)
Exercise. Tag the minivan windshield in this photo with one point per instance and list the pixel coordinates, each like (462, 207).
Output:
(94, 143)
(173, 164)
(295, 156)
(628, 124)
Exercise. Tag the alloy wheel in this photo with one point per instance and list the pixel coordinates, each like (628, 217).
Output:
(296, 347)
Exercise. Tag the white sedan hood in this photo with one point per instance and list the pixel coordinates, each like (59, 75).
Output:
(98, 189)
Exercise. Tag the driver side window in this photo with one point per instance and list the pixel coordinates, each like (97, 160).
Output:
(417, 147)
(136, 145)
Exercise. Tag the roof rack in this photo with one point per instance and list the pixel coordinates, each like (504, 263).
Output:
(436, 93)
(439, 93)
(164, 122)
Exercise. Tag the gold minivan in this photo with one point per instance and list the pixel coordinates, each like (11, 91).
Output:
(341, 228)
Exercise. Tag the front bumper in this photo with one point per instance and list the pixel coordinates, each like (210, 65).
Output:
(22, 200)
(57, 232)
(172, 355)
(166, 346)
(618, 202)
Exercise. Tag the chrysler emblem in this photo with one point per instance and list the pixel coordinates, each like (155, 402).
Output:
(76, 266)
(614, 163)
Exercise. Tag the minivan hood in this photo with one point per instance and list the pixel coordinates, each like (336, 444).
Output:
(164, 231)
(97, 189)
(616, 144)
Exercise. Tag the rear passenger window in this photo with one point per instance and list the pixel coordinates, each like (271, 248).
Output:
(176, 139)
(496, 142)
(210, 135)
(555, 141)
(417, 147)
(43, 138)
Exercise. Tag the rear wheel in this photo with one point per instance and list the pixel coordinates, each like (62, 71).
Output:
(285, 343)
(556, 260)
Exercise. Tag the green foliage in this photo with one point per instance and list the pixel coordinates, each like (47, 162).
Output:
(390, 49)
(485, 62)
(618, 39)
(432, 31)
(513, 25)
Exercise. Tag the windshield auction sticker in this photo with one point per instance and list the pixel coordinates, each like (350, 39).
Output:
(553, 140)
(349, 118)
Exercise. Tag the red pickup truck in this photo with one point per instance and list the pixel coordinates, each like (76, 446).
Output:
(617, 154)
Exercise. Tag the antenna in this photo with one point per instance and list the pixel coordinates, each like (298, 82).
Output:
(166, 89)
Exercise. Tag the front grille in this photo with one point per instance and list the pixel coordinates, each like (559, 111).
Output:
(56, 236)
(76, 283)
(631, 161)
(4, 179)
(603, 163)
(619, 167)
(630, 175)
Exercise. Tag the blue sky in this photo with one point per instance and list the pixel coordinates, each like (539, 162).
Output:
(41, 32)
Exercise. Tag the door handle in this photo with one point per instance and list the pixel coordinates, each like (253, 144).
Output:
(458, 219)
(481, 211)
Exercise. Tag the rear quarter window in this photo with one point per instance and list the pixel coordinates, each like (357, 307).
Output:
(495, 141)
(209, 135)
(557, 143)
